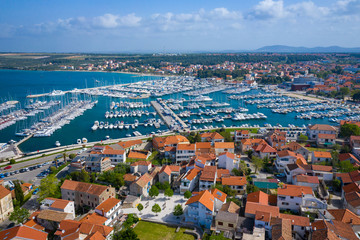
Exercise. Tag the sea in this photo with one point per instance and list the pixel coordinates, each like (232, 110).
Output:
(17, 84)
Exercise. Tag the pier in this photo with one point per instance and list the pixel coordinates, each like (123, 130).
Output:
(169, 117)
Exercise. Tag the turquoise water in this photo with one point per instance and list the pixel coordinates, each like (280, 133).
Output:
(17, 84)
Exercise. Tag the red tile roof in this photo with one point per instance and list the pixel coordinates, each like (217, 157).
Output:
(108, 204)
(205, 198)
(294, 190)
(23, 232)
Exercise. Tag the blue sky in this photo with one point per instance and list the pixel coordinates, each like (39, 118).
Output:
(175, 26)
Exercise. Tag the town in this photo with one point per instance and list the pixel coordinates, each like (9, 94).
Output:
(226, 183)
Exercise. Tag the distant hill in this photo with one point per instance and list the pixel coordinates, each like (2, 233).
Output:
(289, 49)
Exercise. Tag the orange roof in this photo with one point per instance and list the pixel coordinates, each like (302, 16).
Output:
(60, 203)
(205, 198)
(264, 148)
(211, 135)
(262, 216)
(129, 177)
(170, 140)
(130, 143)
(233, 181)
(168, 169)
(114, 151)
(294, 190)
(243, 132)
(4, 192)
(108, 204)
(258, 197)
(228, 154)
(322, 154)
(137, 155)
(321, 168)
(252, 207)
(95, 236)
(322, 127)
(143, 180)
(345, 216)
(191, 174)
(252, 141)
(326, 136)
(286, 153)
(307, 179)
(296, 220)
(203, 145)
(31, 223)
(84, 187)
(185, 146)
(224, 145)
(143, 163)
(218, 194)
(93, 218)
(23, 232)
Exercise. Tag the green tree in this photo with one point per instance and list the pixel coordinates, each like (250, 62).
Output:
(156, 208)
(187, 194)
(337, 70)
(249, 153)
(336, 184)
(345, 149)
(19, 194)
(344, 91)
(154, 191)
(334, 158)
(19, 215)
(303, 138)
(48, 187)
(130, 220)
(348, 130)
(64, 155)
(168, 192)
(258, 162)
(346, 166)
(12, 161)
(178, 210)
(128, 234)
(72, 156)
(140, 207)
(251, 188)
(356, 95)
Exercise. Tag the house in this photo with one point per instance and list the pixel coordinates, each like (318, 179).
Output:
(203, 148)
(129, 145)
(139, 154)
(50, 219)
(116, 156)
(258, 197)
(141, 187)
(130, 201)
(280, 229)
(212, 137)
(349, 157)
(6, 203)
(207, 178)
(141, 167)
(200, 209)
(293, 198)
(202, 160)
(322, 172)
(111, 209)
(297, 148)
(60, 205)
(228, 161)
(277, 139)
(23, 232)
(236, 183)
(189, 180)
(219, 198)
(332, 229)
(308, 181)
(285, 157)
(252, 207)
(321, 157)
(83, 230)
(227, 219)
(313, 130)
(129, 178)
(184, 152)
(85, 194)
(221, 147)
(355, 145)
(300, 225)
(159, 143)
(352, 202)
(241, 134)
(97, 164)
(264, 150)
(345, 216)
(168, 173)
(248, 144)
(326, 139)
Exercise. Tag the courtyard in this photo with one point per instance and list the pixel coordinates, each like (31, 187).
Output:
(154, 231)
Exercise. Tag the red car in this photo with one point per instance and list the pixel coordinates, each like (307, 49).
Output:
(7, 167)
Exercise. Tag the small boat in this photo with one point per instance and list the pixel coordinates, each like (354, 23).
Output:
(57, 143)
(107, 137)
(84, 140)
(78, 141)
(128, 135)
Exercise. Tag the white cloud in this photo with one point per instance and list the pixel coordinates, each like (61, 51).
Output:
(268, 9)
(113, 21)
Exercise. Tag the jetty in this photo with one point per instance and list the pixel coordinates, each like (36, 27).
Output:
(170, 118)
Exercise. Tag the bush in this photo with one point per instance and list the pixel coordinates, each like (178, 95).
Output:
(131, 219)
(12, 161)
(187, 194)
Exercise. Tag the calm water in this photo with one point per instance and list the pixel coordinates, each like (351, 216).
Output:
(17, 84)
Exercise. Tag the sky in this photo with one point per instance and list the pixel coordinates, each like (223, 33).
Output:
(170, 26)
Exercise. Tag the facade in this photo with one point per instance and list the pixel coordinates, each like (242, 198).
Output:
(85, 194)
(314, 130)
(184, 152)
(212, 137)
(236, 183)
(228, 161)
(141, 167)
(326, 139)
(168, 173)
(200, 209)
(97, 164)
(141, 186)
(116, 156)
(208, 178)
(264, 150)
(60, 205)
(6, 204)
(241, 134)
(321, 157)
(189, 180)
(221, 147)
(285, 157)
(111, 209)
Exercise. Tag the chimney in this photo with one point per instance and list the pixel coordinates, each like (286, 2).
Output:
(314, 228)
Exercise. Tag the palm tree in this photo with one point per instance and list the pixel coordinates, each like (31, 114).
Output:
(64, 156)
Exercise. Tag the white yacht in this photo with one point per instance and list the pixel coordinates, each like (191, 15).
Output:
(57, 143)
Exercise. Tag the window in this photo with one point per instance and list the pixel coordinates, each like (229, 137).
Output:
(291, 197)
(220, 223)
(231, 225)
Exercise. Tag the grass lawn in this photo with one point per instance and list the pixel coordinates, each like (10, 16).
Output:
(153, 231)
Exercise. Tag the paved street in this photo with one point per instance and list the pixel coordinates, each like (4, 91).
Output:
(166, 213)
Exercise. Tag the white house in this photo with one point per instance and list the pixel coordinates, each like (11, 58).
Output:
(314, 130)
(111, 209)
(241, 134)
(286, 157)
(200, 209)
(221, 147)
(236, 183)
(326, 139)
(308, 181)
(228, 161)
(219, 198)
(189, 180)
(60, 205)
(140, 166)
(208, 178)
(115, 155)
(184, 152)
(321, 157)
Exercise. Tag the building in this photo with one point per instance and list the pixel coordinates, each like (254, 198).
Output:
(227, 219)
(6, 203)
(300, 225)
(141, 167)
(168, 173)
(86, 194)
(236, 183)
(184, 152)
(249, 144)
(111, 209)
(325, 139)
(285, 157)
(129, 145)
(139, 155)
(228, 161)
(241, 134)
(219, 198)
(200, 209)
(332, 229)
(141, 187)
(97, 164)
(23, 232)
(212, 137)
(160, 143)
(221, 147)
(277, 139)
(308, 181)
(352, 202)
(321, 157)
(280, 229)
(264, 150)
(208, 178)
(116, 156)
(314, 130)
(297, 148)
(50, 219)
(189, 180)
(60, 205)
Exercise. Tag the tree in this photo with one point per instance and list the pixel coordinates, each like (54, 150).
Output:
(19, 215)
(156, 208)
(72, 156)
(348, 130)
(258, 162)
(12, 161)
(356, 95)
(178, 210)
(48, 187)
(130, 220)
(128, 234)
(187, 194)
(64, 155)
(346, 166)
(345, 149)
(303, 138)
(19, 194)
(168, 192)
(334, 158)
(154, 191)
(140, 207)
(249, 153)
(336, 184)
(344, 91)
(251, 188)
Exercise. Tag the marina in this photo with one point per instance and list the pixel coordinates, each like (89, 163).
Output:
(167, 107)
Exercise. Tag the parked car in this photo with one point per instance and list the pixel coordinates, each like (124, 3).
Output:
(280, 175)
(253, 176)
(7, 167)
(36, 191)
